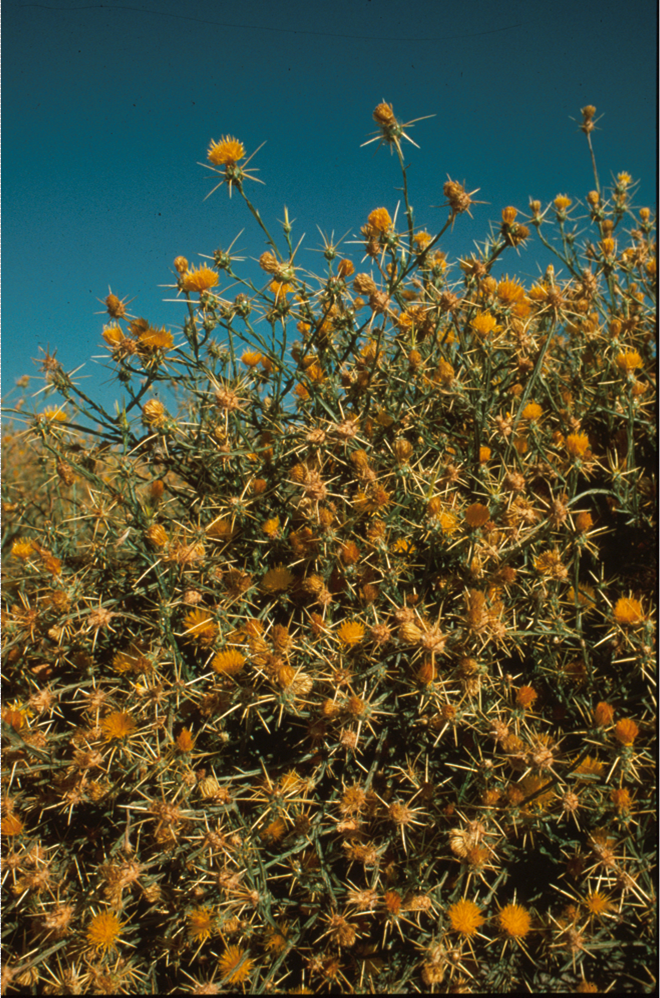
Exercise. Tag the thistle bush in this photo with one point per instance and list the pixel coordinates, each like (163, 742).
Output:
(332, 666)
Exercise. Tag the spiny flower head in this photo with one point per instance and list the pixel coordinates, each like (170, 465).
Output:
(510, 292)
(227, 152)
(118, 725)
(155, 339)
(628, 612)
(628, 361)
(626, 731)
(515, 921)
(532, 411)
(350, 632)
(235, 966)
(201, 924)
(577, 444)
(391, 131)
(465, 917)
(476, 515)
(484, 324)
(276, 580)
(458, 199)
(199, 279)
(228, 662)
(103, 930)
(380, 220)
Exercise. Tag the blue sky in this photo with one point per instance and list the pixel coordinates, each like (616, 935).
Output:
(110, 107)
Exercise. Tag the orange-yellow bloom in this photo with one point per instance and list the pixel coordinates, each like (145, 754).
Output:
(276, 579)
(199, 279)
(477, 514)
(380, 220)
(103, 930)
(532, 411)
(22, 550)
(235, 966)
(515, 921)
(350, 632)
(155, 339)
(226, 152)
(118, 725)
(201, 923)
(185, 741)
(200, 627)
(228, 663)
(484, 324)
(11, 825)
(629, 360)
(603, 714)
(626, 731)
(510, 292)
(628, 612)
(577, 444)
(465, 917)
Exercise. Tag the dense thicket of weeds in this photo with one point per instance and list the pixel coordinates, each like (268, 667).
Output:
(339, 673)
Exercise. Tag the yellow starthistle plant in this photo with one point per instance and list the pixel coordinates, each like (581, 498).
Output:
(363, 599)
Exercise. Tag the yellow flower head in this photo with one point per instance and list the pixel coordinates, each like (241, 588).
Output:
(199, 279)
(515, 921)
(271, 527)
(445, 372)
(226, 152)
(421, 240)
(465, 917)
(103, 930)
(510, 292)
(200, 627)
(155, 339)
(577, 444)
(384, 114)
(118, 725)
(228, 663)
(626, 731)
(380, 220)
(350, 633)
(235, 966)
(276, 580)
(603, 714)
(54, 415)
(157, 535)
(457, 197)
(629, 360)
(201, 923)
(477, 514)
(11, 825)
(597, 903)
(532, 411)
(22, 550)
(113, 336)
(222, 529)
(484, 324)
(154, 413)
(185, 741)
(628, 612)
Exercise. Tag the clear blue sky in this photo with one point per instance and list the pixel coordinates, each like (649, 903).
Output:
(109, 107)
